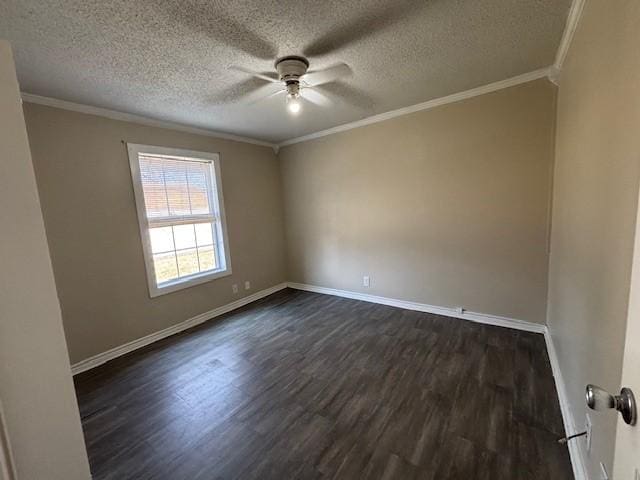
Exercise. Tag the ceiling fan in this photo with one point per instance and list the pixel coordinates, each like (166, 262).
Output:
(294, 80)
(292, 74)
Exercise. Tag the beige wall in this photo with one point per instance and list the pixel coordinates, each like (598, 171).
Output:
(36, 391)
(595, 199)
(448, 207)
(398, 201)
(84, 180)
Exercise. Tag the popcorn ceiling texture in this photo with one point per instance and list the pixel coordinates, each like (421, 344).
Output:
(170, 60)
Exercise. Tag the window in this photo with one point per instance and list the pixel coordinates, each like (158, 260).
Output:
(181, 215)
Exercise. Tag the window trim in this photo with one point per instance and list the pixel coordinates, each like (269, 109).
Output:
(217, 204)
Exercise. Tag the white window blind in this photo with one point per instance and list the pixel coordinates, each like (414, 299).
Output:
(182, 223)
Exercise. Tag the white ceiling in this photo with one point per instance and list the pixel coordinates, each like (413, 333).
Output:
(170, 60)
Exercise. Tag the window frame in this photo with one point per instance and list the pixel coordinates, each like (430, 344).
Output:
(216, 201)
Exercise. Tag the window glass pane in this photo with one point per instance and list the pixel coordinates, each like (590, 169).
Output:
(184, 236)
(155, 197)
(175, 185)
(161, 239)
(175, 177)
(197, 176)
(165, 267)
(207, 258)
(204, 234)
(187, 262)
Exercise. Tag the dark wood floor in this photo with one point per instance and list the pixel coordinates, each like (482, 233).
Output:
(306, 386)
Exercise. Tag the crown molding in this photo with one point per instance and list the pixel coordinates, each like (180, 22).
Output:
(129, 117)
(554, 75)
(570, 28)
(548, 72)
(551, 73)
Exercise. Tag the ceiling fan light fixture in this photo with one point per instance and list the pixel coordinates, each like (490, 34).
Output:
(292, 72)
(294, 105)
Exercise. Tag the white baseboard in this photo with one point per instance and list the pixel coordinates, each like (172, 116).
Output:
(575, 450)
(423, 307)
(104, 357)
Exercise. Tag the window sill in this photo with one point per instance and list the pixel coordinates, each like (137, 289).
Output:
(180, 284)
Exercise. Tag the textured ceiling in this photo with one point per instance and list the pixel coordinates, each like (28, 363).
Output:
(171, 60)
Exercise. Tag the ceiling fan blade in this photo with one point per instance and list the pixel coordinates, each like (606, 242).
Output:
(348, 94)
(261, 93)
(261, 76)
(365, 25)
(275, 94)
(315, 97)
(236, 91)
(327, 75)
(210, 20)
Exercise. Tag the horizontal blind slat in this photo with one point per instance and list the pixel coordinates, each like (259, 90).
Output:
(186, 220)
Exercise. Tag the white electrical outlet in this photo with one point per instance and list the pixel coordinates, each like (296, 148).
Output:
(587, 427)
(366, 281)
(234, 288)
(247, 285)
(459, 310)
(603, 472)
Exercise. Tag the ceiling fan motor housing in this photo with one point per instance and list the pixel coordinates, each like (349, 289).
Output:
(290, 69)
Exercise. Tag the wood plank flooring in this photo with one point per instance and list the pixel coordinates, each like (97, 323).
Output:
(309, 386)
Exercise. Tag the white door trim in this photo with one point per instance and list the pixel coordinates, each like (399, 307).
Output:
(7, 466)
